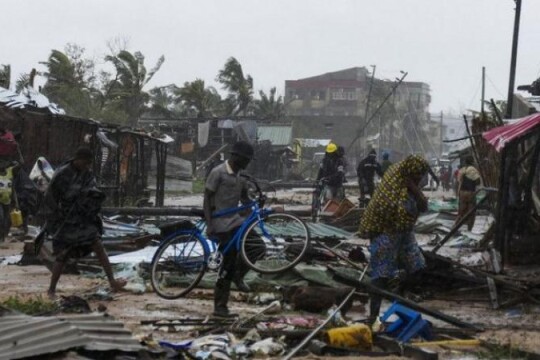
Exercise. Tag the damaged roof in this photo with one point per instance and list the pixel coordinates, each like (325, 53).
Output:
(29, 97)
(501, 136)
(24, 336)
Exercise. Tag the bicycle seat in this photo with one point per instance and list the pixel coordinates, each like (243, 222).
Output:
(197, 212)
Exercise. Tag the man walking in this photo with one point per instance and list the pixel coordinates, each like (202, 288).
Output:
(468, 180)
(71, 208)
(366, 170)
(225, 188)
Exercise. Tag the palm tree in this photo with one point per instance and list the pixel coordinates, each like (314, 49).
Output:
(5, 76)
(22, 82)
(203, 101)
(70, 82)
(162, 101)
(270, 107)
(126, 89)
(240, 87)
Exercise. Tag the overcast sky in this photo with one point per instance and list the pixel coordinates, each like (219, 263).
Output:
(444, 43)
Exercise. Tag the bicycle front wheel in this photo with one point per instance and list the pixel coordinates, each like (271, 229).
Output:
(178, 265)
(275, 243)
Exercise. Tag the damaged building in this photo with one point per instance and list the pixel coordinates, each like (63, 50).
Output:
(129, 166)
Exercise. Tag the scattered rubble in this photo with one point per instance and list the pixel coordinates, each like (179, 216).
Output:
(463, 268)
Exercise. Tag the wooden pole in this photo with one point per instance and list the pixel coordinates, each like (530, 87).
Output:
(513, 61)
(458, 224)
(483, 89)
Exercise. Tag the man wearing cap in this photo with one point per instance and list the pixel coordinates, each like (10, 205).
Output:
(366, 170)
(468, 179)
(332, 170)
(225, 188)
(71, 207)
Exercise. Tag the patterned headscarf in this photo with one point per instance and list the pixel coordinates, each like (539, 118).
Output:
(387, 212)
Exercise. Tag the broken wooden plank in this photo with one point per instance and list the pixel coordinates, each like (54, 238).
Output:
(460, 222)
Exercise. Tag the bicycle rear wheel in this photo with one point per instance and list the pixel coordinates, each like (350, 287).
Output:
(178, 265)
(275, 243)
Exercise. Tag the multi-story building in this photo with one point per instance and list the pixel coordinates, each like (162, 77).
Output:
(340, 93)
(402, 123)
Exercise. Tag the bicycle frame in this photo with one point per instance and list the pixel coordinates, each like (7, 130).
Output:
(318, 201)
(211, 245)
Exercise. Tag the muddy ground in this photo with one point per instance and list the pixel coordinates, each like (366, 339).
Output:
(518, 326)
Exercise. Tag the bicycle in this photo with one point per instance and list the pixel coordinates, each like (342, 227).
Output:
(269, 242)
(320, 195)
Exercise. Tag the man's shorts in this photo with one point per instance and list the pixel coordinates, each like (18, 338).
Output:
(390, 253)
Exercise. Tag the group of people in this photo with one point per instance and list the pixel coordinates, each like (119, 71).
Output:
(72, 205)
(333, 168)
(396, 261)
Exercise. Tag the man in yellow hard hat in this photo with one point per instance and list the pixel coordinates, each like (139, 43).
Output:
(332, 172)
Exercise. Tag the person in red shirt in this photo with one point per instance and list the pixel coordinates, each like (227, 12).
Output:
(8, 145)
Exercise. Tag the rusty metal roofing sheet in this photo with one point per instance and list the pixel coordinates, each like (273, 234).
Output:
(24, 336)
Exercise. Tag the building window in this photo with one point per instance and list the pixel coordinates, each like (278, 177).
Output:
(344, 94)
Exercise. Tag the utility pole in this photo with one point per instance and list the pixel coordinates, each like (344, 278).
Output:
(511, 83)
(394, 87)
(441, 131)
(483, 89)
(366, 113)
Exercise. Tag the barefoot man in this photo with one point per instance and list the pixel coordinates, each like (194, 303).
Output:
(71, 207)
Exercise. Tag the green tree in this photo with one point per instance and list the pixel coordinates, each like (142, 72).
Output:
(22, 81)
(126, 89)
(239, 87)
(162, 101)
(71, 81)
(201, 100)
(5, 76)
(269, 106)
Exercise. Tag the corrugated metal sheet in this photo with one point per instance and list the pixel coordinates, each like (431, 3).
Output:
(321, 231)
(501, 136)
(30, 97)
(278, 135)
(316, 230)
(23, 336)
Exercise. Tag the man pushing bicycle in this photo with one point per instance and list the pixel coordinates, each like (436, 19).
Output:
(225, 188)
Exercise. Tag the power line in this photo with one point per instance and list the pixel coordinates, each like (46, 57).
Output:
(495, 87)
